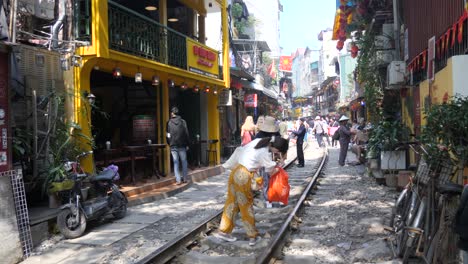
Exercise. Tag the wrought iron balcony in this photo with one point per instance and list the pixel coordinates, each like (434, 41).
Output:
(138, 35)
(134, 34)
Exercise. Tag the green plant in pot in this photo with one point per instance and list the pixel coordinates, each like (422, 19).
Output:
(384, 140)
(447, 127)
(65, 143)
(387, 136)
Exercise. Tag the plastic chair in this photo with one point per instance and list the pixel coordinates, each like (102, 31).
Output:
(212, 151)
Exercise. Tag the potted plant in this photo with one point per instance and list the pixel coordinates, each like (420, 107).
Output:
(64, 145)
(385, 140)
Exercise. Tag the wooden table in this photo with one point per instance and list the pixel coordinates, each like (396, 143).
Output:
(109, 157)
(133, 150)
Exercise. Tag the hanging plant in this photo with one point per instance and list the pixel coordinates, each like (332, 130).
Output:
(368, 77)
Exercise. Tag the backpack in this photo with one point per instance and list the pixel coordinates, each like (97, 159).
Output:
(246, 138)
(336, 135)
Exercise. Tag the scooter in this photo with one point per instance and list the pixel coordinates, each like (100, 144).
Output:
(107, 198)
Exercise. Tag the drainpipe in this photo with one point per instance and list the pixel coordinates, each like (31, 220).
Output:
(56, 27)
(396, 29)
(13, 7)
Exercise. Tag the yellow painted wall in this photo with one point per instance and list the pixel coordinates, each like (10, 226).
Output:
(440, 88)
(99, 54)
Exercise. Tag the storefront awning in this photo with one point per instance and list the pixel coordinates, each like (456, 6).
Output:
(238, 72)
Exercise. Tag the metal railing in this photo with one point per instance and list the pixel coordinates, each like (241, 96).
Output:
(135, 34)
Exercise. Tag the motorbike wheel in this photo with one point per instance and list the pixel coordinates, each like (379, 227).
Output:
(69, 229)
(122, 210)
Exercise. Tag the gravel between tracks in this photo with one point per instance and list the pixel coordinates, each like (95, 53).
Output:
(343, 221)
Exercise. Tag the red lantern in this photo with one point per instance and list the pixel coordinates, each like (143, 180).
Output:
(342, 33)
(354, 48)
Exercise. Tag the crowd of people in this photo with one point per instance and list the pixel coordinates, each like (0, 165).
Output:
(263, 149)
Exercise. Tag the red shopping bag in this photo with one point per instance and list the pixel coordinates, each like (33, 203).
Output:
(332, 130)
(278, 188)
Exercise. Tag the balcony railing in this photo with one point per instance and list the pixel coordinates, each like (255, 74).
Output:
(132, 33)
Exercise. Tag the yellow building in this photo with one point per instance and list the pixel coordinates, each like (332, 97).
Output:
(142, 60)
(448, 81)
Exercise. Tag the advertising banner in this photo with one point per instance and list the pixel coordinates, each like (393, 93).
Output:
(202, 60)
(285, 63)
(250, 100)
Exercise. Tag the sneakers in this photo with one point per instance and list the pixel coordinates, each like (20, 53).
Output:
(225, 237)
(268, 205)
(254, 241)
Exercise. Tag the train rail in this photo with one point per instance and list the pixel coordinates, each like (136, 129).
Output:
(178, 249)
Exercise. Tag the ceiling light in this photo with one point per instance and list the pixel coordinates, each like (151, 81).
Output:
(117, 73)
(173, 19)
(155, 80)
(151, 8)
(138, 77)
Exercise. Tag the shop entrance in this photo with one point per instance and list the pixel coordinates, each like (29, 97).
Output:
(125, 127)
(188, 103)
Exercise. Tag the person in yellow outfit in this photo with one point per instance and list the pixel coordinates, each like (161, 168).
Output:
(244, 163)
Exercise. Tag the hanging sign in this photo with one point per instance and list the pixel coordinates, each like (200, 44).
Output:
(202, 60)
(250, 100)
(225, 98)
(5, 159)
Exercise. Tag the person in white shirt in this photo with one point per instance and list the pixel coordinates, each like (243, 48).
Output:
(325, 131)
(244, 163)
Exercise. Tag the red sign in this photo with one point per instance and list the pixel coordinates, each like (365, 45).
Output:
(250, 100)
(5, 158)
(285, 63)
(205, 57)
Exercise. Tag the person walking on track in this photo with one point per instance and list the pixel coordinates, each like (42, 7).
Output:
(244, 163)
(344, 134)
(300, 133)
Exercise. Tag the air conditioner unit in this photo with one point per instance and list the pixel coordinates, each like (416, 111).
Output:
(396, 74)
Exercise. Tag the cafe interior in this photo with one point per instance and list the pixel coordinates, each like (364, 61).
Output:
(125, 124)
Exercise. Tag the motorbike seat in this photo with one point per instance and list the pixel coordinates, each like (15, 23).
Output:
(451, 189)
(107, 175)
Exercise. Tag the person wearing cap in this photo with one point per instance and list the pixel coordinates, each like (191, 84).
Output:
(300, 133)
(178, 139)
(344, 134)
(319, 130)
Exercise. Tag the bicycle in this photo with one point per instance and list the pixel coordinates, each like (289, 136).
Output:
(407, 203)
(418, 223)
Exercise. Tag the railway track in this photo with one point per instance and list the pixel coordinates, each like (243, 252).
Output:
(198, 245)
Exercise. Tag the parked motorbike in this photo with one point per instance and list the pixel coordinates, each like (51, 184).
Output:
(106, 198)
